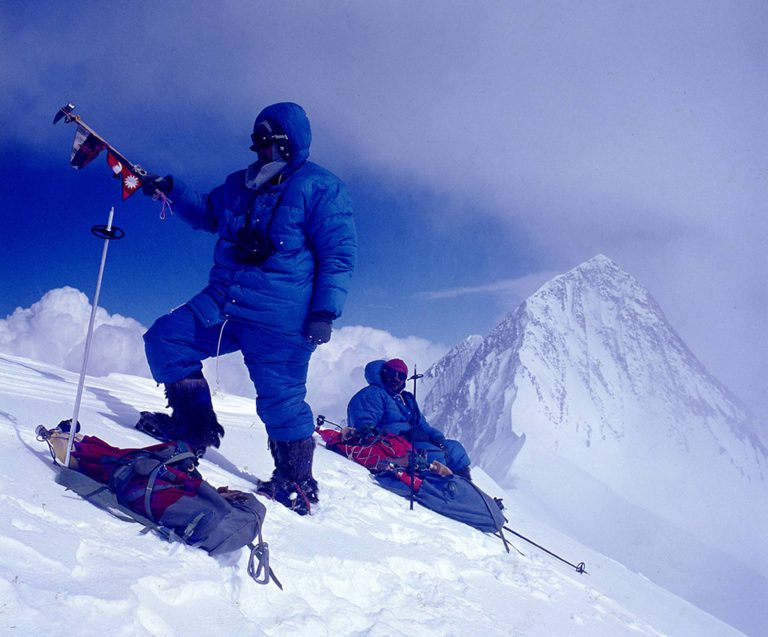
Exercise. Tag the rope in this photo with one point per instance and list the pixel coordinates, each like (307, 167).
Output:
(217, 388)
(166, 205)
(258, 563)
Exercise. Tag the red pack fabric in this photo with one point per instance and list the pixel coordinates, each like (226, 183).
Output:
(97, 459)
(376, 454)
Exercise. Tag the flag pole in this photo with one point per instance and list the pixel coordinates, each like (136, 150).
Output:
(108, 232)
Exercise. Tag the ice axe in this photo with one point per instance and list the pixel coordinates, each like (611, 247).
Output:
(66, 113)
(417, 415)
(322, 420)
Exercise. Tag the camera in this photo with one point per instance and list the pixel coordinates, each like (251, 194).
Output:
(253, 246)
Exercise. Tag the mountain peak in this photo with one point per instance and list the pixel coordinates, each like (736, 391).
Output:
(589, 369)
(600, 274)
(600, 260)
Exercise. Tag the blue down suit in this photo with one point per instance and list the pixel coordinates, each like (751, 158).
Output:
(263, 309)
(374, 408)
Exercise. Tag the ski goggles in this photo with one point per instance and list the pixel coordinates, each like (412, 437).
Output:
(393, 374)
(262, 141)
(267, 134)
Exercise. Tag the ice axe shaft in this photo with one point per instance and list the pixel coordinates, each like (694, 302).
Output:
(65, 113)
(416, 413)
(322, 420)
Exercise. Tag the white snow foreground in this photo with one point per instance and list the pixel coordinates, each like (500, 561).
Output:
(361, 565)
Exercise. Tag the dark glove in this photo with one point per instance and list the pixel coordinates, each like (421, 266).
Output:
(439, 441)
(151, 184)
(319, 328)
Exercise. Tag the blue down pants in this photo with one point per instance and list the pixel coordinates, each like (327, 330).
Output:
(453, 455)
(178, 342)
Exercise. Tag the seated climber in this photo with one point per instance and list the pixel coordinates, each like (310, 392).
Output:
(385, 407)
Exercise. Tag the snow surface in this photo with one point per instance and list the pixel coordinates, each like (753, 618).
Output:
(361, 565)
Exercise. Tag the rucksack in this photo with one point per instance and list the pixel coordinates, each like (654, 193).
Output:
(374, 452)
(453, 496)
(387, 456)
(160, 488)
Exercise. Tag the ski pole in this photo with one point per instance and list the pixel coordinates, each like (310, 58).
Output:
(580, 567)
(416, 413)
(108, 232)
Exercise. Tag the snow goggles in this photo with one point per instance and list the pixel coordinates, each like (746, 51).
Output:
(393, 373)
(266, 134)
(264, 140)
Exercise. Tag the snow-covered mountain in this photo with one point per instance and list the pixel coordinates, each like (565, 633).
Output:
(442, 378)
(588, 376)
(362, 565)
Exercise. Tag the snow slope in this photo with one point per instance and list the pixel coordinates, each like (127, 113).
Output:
(362, 565)
(587, 401)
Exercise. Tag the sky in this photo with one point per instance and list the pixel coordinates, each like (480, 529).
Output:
(487, 146)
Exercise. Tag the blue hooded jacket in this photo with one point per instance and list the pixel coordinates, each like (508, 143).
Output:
(373, 407)
(307, 216)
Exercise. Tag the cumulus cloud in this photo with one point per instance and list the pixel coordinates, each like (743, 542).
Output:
(336, 369)
(53, 330)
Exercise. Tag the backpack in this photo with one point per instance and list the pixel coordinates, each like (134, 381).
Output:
(375, 452)
(160, 488)
(453, 496)
(387, 456)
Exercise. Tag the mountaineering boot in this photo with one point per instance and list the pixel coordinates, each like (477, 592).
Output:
(464, 473)
(158, 425)
(192, 418)
(292, 484)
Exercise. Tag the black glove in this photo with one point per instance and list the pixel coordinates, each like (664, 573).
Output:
(151, 183)
(319, 331)
(439, 441)
(319, 327)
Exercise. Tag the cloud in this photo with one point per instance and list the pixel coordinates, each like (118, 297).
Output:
(637, 131)
(336, 370)
(53, 330)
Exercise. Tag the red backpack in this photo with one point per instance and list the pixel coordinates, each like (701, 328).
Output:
(376, 453)
(160, 487)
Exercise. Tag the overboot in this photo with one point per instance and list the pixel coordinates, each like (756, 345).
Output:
(292, 484)
(192, 418)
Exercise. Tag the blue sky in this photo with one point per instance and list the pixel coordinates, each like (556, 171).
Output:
(488, 146)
